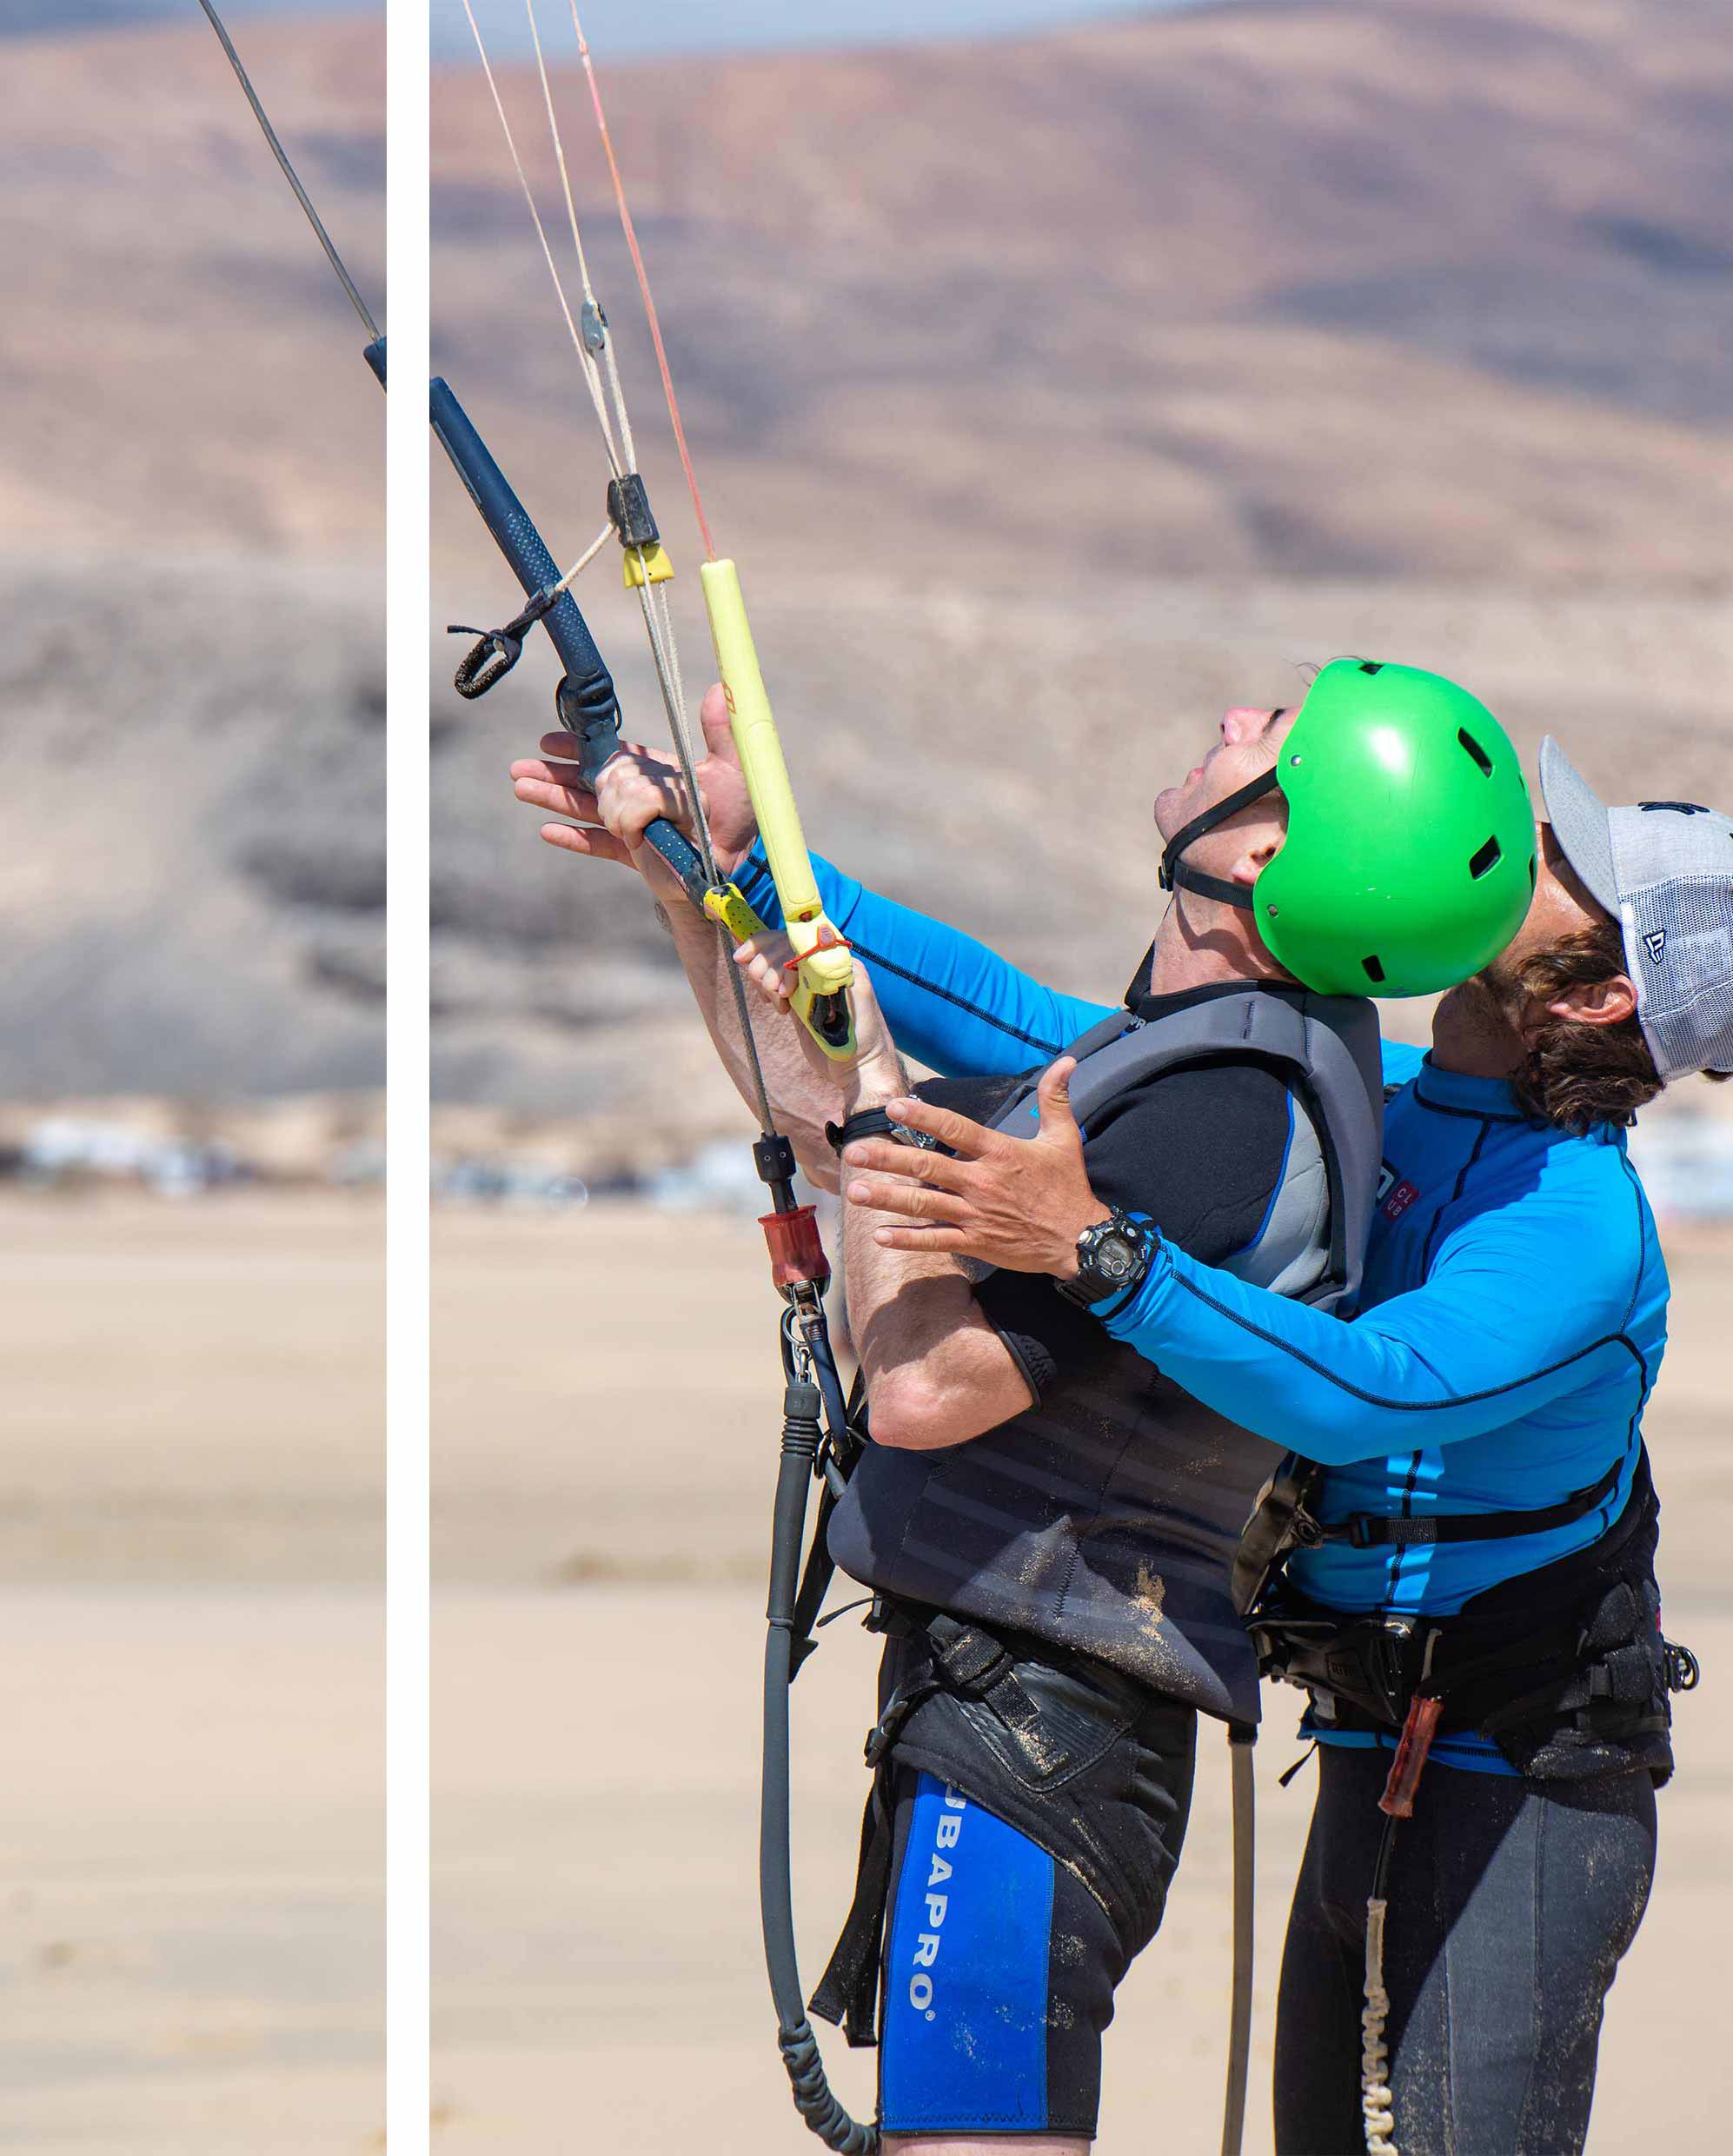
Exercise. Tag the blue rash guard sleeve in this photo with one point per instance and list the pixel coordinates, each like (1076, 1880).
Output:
(1437, 1365)
(950, 1002)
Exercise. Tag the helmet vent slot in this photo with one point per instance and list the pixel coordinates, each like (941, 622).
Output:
(1475, 750)
(1374, 970)
(1486, 860)
(1371, 665)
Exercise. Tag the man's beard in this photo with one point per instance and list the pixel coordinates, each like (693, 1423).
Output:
(1493, 1002)
(1503, 984)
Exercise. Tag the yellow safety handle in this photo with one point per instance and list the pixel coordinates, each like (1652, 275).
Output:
(824, 970)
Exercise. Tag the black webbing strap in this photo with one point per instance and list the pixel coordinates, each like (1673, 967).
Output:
(1176, 874)
(1241, 1740)
(848, 1993)
(961, 1658)
(1366, 1530)
(821, 1570)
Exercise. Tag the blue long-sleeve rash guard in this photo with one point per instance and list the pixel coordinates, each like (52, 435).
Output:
(1512, 1315)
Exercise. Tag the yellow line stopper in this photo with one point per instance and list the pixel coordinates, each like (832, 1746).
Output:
(647, 565)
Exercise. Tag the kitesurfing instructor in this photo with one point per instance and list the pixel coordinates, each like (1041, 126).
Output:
(1474, 1561)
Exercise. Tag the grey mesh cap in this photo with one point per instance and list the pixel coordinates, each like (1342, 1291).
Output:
(1663, 870)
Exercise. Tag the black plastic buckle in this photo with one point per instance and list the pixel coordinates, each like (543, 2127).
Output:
(629, 511)
(498, 650)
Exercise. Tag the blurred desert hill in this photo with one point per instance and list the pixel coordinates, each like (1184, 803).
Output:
(1054, 392)
(191, 569)
(1051, 391)
(1332, 289)
(179, 362)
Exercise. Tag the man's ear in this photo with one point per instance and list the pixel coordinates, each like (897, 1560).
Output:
(1598, 1002)
(1252, 862)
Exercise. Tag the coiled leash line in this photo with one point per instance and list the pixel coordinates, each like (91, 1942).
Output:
(811, 1421)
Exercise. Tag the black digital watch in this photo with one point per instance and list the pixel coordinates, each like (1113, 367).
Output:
(1112, 1257)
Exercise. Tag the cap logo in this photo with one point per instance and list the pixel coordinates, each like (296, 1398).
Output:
(1679, 808)
(1655, 941)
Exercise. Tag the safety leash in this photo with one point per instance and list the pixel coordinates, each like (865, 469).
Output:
(1397, 1803)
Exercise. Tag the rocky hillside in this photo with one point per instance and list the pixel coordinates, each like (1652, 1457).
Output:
(1054, 393)
(1050, 392)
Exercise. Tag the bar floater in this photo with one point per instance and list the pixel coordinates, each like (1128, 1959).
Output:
(823, 968)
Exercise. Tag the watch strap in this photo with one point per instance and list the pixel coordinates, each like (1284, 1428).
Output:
(874, 1122)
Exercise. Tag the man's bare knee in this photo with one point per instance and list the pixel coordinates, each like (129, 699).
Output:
(983, 2145)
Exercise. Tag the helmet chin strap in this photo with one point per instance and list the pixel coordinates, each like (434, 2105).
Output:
(1175, 875)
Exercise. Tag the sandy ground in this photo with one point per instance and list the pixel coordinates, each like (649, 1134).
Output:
(191, 1684)
(190, 1813)
(598, 1981)
(192, 1389)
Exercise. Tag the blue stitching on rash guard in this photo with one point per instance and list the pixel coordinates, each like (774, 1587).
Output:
(1411, 1406)
(1466, 1114)
(1455, 1198)
(1411, 1480)
(757, 885)
(958, 1002)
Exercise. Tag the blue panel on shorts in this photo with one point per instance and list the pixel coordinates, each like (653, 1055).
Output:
(966, 1972)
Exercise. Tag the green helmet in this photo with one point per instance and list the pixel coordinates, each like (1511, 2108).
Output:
(1410, 857)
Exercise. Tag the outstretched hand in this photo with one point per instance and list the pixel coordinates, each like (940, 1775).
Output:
(1019, 1204)
(639, 785)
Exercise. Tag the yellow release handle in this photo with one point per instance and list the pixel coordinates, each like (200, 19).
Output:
(820, 999)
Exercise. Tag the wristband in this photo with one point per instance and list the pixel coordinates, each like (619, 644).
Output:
(874, 1122)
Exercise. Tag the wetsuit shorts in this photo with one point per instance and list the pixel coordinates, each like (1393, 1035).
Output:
(1009, 1923)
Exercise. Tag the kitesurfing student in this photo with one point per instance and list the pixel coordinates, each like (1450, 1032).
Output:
(1047, 1523)
(1483, 1532)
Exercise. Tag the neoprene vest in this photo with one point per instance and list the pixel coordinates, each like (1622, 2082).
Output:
(1105, 1519)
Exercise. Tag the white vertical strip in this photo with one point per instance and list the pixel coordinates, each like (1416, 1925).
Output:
(407, 1942)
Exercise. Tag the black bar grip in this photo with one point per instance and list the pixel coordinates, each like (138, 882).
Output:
(588, 704)
(532, 564)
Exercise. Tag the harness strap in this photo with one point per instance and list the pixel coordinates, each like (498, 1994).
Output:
(1370, 1530)
(816, 1579)
(969, 1663)
(848, 1993)
(1240, 1741)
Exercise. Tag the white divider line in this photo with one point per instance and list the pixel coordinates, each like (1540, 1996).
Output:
(408, 1721)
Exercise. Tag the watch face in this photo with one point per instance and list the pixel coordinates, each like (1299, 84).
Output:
(1114, 1257)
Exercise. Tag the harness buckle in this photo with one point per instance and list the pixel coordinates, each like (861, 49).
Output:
(1684, 1672)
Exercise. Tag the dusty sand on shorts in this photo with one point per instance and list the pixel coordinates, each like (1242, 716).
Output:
(599, 1985)
(190, 1686)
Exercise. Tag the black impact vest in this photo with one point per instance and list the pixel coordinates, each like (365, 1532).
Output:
(1104, 1519)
